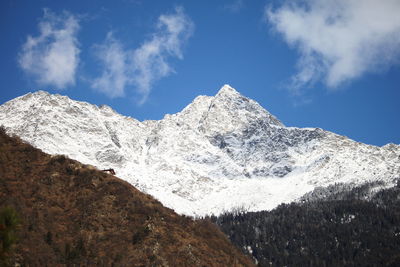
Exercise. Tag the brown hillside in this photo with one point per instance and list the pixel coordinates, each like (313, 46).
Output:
(75, 215)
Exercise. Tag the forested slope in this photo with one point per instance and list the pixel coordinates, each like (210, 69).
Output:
(346, 229)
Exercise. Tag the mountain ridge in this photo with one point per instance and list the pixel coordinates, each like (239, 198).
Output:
(194, 161)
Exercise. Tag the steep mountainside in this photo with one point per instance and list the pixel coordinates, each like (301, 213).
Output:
(220, 153)
(74, 215)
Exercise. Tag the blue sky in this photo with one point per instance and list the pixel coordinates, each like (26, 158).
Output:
(332, 64)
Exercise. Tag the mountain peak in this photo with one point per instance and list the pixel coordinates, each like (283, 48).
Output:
(225, 112)
(227, 90)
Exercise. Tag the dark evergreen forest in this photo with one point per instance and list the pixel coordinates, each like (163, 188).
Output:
(346, 228)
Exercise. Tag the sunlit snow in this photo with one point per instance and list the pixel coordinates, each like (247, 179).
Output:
(219, 154)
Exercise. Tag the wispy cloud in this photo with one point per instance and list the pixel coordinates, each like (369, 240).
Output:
(235, 6)
(148, 63)
(113, 59)
(52, 57)
(338, 40)
(151, 58)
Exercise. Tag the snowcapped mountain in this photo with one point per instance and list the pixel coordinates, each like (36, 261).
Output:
(220, 153)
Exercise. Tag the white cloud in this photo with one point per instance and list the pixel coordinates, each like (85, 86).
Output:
(113, 58)
(150, 60)
(148, 63)
(53, 56)
(339, 40)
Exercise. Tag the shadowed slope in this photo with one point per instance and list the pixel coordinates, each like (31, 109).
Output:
(74, 214)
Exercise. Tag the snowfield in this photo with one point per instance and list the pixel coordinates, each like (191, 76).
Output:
(220, 153)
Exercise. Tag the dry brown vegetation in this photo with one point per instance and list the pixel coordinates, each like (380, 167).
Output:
(74, 215)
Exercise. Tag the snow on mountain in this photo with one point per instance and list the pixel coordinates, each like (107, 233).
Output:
(220, 153)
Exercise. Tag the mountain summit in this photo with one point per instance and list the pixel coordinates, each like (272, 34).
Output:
(220, 153)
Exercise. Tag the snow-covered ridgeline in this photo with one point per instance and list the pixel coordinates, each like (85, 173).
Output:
(219, 153)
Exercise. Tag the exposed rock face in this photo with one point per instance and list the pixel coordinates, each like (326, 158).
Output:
(220, 153)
